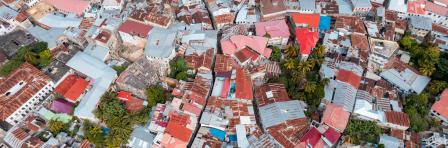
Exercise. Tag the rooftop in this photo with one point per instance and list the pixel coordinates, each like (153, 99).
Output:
(160, 43)
(420, 22)
(71, 6)
(398, 118)
(309, 20)
(440, 106)
(20, 86)
(135, 28)
(276, 28)
(72, 87)
(307, 40)
(270, 93)
(336, 117)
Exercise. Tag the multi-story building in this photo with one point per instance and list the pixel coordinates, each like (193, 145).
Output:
(22, 90)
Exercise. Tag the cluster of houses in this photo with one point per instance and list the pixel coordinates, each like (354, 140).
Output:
(227, 100)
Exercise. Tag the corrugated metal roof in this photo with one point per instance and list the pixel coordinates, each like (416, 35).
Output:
(279, 112)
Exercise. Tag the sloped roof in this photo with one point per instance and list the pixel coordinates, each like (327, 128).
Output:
(177, 127)
(135, 28)
(243, 85)
(72, 87)
(312, 138)
(276, 28)
(306, 39)
(279, 112)
(349, 77)
(398, 118)
(336, 117)
(441, 106)
(72, 6)
(62, 106)
(312, 20)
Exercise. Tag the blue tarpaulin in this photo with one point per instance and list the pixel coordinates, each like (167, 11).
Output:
(232, 138)
(324, 23)
(221, 135)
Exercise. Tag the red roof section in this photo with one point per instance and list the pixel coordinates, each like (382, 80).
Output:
(72, 87)
(416, 7)
(312, 137)
(245, 54)
(336, 117)
(177, 127)
(125, 96)
(349, 77)
(332, 135)
(312, 20)
(135, 28)
(306, 39)
(398, 118)
(243, 85)
(188, 107)
(441, 106)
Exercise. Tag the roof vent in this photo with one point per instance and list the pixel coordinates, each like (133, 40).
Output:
(269, 94)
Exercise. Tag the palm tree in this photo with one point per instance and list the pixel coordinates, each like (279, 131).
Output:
(310, 87)
(290, 64)
(427, 70)
(305, 67)
(30, 57)
(292, 51)
(319, 51)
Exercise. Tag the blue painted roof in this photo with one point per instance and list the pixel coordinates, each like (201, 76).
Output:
(221, 135)
(324, 23)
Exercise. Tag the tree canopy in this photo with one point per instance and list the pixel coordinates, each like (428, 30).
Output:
(178, 67)
(36, 54)
(155, 94)
(120, 121)
(360, 131)
(56, 126)
(276, 54)
(417, 107)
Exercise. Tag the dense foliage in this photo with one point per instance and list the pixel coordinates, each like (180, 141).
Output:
(276, 54)
(93, 133)
(360, 131)
(178, 67)
(417, 107)
(36, 54)
(155, 94)
(120, 68)
(301, 78)
(120, 122)
(56, 126)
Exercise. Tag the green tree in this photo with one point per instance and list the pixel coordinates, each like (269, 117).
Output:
(155, 94)
(437, 86)
(292, 51)
(119, 68)
(45, 58)
(93, 133)
(178, 65)
(360, 131)
(290, 64)
(55, 126)
(30, 57)
(276, 54)
(182, 75)
(9, 66)
(407, 42)
(39, 47)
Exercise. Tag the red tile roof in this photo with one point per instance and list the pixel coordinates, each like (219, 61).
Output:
(278, 91)
(177, 127)
(312, 20)
(103, 36)
(332, 135)
(188, 107)
(199, 90)
(134, 105)
(441, 106)
(289, 133)
(416, 7)
(135, 28)
(245, 54)
(22, 16)
(72, 87)
(335, 116)
(311, 138)
(243, 85)
(439, 28)
(349, 77)
(34, 79)
(223, 63)
(306, 39)
(124, 96)
(398, 118)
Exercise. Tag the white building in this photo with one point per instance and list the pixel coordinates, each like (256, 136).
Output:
(380, 53)
(24, 89)
(161, 45)
(112, 4)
